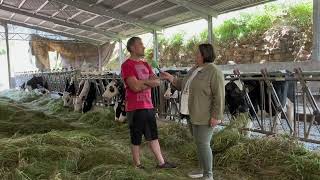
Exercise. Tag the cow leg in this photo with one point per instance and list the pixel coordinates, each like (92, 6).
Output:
(115, 107)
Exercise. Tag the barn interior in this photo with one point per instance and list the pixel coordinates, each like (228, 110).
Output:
(51, 129)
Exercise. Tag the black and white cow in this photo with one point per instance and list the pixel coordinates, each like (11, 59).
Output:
(237, 103)
(90, 98)
(37, 84)
(84, 87)
(172, 94)
(116, 89)
(69, 93)
(86, 96)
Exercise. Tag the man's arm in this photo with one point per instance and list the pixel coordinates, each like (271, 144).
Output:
(152, 82)
(136, 85)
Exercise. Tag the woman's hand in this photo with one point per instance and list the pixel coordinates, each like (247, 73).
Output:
(166, 76)
(214, 122)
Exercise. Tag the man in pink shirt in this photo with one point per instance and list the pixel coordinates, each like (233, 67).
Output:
(139, 79)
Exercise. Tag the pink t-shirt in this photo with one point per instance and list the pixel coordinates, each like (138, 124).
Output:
(142, 71)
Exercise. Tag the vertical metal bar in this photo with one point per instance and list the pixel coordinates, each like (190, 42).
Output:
(304, 113)
(316, 31)
(210, 33)
(270, 110)
(295, 109)
(263, 97)
(8, 54)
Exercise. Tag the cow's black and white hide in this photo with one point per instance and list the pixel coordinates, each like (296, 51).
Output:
(237, 103)
(90, 98)
(84, 87)
(86, 96)
(172, 103)
(284, 91)
(36, 84)
(115, 89)
(172, 95)
(69, 93)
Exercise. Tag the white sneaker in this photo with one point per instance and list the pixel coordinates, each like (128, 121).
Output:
(196, 174)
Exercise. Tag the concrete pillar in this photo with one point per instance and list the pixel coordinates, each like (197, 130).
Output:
(120, 53)
(316, 31)
(155, 46)
(8, 54)
(210, 31)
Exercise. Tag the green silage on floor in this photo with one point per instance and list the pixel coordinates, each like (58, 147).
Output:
(41, 140)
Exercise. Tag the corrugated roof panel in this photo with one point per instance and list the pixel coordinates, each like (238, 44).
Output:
(86, 33)
(48, 24)
(133, 5)
(67, 12)
(154, 8)
(206, 2)
(112, 3)
(178, 19)
(226, 5)
(96, 36)
(19, 17)
(5, 14)
(60, 28)
(82, 17)
(97, 20)
(111, 24)
(125, 27)
(12, 2)
(34, 21)
(166, 14)
(132, 31)
(51, 8)
(32, 5)
(73, 31)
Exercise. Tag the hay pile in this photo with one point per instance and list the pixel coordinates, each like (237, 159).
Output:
(40, 140)
(276, 157)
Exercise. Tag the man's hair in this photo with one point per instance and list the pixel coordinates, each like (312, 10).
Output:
(131, 41)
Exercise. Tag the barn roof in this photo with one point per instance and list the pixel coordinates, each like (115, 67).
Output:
(98, 21)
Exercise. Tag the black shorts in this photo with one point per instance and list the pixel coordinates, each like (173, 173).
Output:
(142, 122)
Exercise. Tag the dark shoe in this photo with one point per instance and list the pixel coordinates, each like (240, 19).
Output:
(166, 165)
(140, 167)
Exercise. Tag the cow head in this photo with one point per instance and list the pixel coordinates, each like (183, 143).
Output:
(78, 103)
(114, 88)
(67, 99)
(235, 98)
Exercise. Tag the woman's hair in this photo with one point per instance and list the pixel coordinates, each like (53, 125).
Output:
(207, 52)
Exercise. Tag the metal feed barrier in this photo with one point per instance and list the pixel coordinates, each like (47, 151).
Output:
(306, 124)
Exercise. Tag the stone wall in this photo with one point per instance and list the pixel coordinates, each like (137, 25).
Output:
(275, 45)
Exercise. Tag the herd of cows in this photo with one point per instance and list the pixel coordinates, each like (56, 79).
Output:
(241, 96)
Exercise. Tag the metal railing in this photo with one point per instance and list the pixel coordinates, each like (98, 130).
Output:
(305, 126)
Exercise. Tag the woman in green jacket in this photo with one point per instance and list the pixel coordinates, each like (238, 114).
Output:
(202, 100)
